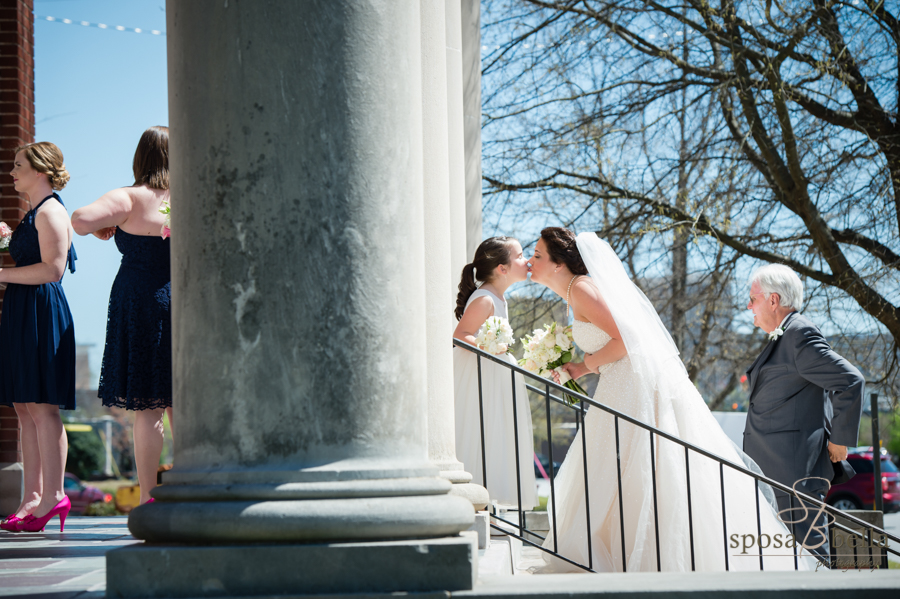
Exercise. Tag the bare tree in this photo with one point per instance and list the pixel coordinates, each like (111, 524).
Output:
(701, 139)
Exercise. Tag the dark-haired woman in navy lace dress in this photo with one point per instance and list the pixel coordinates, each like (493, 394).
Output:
(137, 359)
(37, 336)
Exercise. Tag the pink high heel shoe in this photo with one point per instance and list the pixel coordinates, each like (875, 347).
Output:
(32, 524)
(11, 523)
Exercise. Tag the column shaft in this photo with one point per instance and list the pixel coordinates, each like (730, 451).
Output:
(471, 53)
(299, 329)
(439, 290)
(455, 125)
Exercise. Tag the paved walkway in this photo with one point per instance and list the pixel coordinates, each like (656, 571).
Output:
(54, 565)
(70, 565)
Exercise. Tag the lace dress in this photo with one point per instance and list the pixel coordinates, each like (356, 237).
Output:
(500, 426)
(684, 415)
(137, 359)
(37, 335)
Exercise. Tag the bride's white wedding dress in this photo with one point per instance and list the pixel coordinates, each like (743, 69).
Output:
(651, 385)
(499, 429)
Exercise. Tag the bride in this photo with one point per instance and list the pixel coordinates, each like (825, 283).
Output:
(641, 375)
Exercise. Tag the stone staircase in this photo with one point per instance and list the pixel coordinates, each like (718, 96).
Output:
(506, 555)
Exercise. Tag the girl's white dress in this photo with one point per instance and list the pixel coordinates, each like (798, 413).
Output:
(505, 435)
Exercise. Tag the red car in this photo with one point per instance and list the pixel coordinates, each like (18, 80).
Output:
(82, 495)
(859, 492)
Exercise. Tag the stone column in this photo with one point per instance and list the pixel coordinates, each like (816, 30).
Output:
(459, 254)
(439, 293)
(471, 57)
(299, 332)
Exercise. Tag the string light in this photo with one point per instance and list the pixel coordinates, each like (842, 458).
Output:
(102, 25)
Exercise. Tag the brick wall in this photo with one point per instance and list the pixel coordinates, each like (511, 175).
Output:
(16, 128)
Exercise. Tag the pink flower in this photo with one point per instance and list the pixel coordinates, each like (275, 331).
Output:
(5, 236)
(166, 232)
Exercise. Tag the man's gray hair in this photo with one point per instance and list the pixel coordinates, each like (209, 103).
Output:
(778, 278)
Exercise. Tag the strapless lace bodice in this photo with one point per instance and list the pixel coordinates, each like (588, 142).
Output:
(589, 337)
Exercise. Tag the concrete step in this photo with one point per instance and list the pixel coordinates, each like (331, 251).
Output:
(496, 558)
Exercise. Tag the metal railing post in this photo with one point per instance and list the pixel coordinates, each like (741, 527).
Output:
(515, 415)
(552, 470)
(484, 480)
(876, 455)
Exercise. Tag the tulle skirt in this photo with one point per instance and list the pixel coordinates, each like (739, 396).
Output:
(659, 525)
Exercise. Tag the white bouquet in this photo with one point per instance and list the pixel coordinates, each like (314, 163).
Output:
(495, 336)
(5, 236)
(546, 350)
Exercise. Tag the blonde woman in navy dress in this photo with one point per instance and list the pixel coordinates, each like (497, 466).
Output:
(37, 336)
(137, 359)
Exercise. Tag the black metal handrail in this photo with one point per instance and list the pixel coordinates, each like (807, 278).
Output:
(868, 529)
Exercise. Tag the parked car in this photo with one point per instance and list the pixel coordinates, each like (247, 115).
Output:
(82, 495)
(545, 464)
(859, 492)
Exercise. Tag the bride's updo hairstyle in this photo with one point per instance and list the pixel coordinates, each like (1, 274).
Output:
(151, 159)
(562, 249)
(45, 157)
(492, 252)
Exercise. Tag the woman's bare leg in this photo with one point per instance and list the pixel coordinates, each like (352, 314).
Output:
(54, 446)
(31, 462)
(148, 443)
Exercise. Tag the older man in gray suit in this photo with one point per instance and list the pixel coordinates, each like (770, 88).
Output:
(805, 400)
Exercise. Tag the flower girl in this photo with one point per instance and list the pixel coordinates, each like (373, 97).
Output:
(498, 263)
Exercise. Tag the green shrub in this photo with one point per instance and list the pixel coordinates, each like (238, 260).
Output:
(86, 454)
(892, 442)
(101, 508)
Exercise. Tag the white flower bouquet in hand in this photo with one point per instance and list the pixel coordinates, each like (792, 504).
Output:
(546, 350)
(5, 236)
(495, 336)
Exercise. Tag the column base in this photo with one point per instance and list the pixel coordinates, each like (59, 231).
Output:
(463, 485)
(151, 571)
(475, 494)
(303, 513)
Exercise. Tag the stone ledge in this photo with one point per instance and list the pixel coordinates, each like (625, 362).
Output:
(854, 584)
(146, 571)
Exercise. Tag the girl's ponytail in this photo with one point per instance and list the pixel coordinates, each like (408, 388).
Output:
(467, 287)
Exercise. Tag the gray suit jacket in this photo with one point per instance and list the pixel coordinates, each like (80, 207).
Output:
(802, 394)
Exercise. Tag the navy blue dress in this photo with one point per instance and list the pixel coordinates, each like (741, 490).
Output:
(37, 335)
(137, 359)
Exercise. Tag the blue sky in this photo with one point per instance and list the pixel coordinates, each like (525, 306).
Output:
(96, 90)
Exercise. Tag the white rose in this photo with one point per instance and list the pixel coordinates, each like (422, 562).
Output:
(530, 366)
(549, 341)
